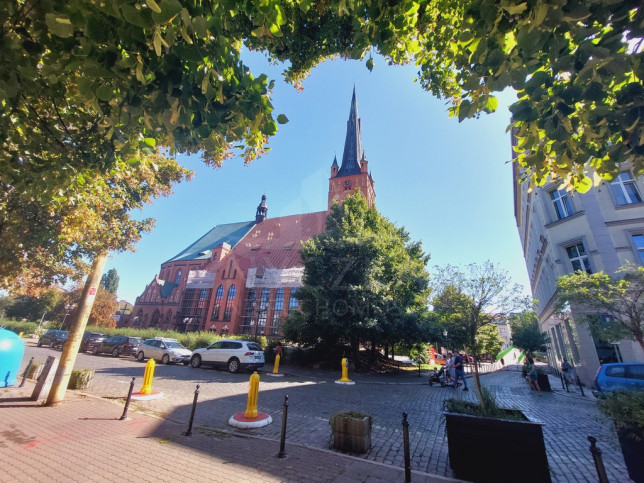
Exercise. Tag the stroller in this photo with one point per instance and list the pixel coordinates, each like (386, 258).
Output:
(440, 377)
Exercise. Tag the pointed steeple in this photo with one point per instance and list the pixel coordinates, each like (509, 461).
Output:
(335, 162)
(353, 142)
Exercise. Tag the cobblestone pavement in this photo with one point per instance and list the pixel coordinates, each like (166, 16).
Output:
(568, 418)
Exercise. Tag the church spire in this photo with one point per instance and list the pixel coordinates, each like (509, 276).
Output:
(353, 142)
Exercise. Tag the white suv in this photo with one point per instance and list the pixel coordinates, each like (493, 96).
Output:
(233, 354)
(164, 350)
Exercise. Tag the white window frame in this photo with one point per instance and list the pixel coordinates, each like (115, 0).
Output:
(619, 184)
(562, 203)
(580, 258)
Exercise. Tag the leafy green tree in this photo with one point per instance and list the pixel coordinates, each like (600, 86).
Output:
(526, 334)
(364, 283)
(33, 308)
(469, 299)
(110, 281)
(612, 306)
(489, 340)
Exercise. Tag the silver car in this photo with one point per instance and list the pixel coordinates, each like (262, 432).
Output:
(233, 354)
(164, 350)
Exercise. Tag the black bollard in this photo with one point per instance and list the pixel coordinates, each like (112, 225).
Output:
(24, 376)
(406, 445)
(282, 453)
(192, 413)
(581, 387)
(127, 401)
(599, 463)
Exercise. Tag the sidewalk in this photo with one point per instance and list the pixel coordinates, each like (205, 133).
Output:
(84, 440)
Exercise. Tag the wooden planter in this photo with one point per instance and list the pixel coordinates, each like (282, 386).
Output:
(351, 434)
(632, 443)
(496, 450)
(544, 382)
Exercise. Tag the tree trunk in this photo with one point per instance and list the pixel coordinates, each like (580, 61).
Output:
(386, 350)
(71, 346)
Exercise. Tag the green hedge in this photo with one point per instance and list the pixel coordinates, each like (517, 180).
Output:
(27, 328)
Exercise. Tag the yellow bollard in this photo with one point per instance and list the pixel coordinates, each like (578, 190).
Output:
(251, 407)
(20, 335)
(276, 366)
(345, 370)
(148, 375)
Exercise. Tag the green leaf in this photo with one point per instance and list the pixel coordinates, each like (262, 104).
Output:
(153, 6)
(584, 184)
(515, 9)
(140, 18)
(104, 92)
(492, 104)
(150, 141)
(200, 26)
(169, 9)
(59, 25)
(370, 64)
(282, 119)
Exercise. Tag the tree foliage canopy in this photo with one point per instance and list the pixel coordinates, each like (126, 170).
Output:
(110, 281)
(364, 282)
(612, 306)
(526, 334)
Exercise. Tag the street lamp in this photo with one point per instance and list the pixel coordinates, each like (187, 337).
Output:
(67, 308)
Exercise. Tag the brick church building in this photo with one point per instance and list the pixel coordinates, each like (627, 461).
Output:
(242, 278)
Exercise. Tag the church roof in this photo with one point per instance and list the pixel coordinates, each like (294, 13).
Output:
(230, 233)
(353, 142)
(275, 243)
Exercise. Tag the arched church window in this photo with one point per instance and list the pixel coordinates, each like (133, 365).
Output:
(218, 296)
(230, 299)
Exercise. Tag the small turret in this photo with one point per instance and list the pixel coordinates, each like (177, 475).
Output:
(334, 167)
(262, 211)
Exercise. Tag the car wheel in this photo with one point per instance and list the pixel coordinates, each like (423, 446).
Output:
(195, 361)
(165, 359)
(140, 356)
(95, 350)
(233, 365)
(115, 352)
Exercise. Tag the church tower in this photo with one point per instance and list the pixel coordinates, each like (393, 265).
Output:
(353, 174)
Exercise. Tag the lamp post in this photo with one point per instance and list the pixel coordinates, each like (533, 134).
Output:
(41, 320)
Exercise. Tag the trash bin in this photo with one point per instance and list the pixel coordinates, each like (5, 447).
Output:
(12, 348)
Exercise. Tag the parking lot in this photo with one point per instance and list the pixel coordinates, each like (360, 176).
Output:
(313, 398)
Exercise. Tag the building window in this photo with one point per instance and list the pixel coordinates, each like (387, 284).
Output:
(263, 308)
(230, 299)
(278, 306)
(177, 278)
(249, 311)
(563, 205)
(218, 296)
(625, 189)
(639, 246)
(292, 300)
(578, 258)
(201, 303)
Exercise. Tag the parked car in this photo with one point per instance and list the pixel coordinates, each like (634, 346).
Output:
(53, 338)
(89, 340)
(233, 354)
(163, 349)
(118, 345)
(619, 376)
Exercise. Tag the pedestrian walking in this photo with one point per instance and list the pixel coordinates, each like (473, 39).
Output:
(565, 368)
(459, 371)
(502, 362)
(532, 374)
(449, 368)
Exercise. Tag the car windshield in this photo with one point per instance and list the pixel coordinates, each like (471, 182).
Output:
(135, 341)
(254, 347)
(174, 345)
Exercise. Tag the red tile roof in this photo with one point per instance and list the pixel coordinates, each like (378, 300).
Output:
(275, 242)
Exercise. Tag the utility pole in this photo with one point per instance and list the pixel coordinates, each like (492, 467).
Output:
(79, 322)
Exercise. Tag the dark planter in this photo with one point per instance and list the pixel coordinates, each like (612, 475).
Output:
(496, 450)
(351, 434)
(544, 382)
(632, 445)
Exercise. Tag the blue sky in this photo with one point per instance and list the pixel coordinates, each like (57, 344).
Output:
(448, 183)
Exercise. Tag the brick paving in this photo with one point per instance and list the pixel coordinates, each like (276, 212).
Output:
(568, 419)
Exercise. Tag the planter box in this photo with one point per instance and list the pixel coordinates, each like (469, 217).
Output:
(498, 450)
(544, 382)
(351, 434)
(632, 449)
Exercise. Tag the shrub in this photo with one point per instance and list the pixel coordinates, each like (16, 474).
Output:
(81, 379)
(34, 370)
(626, 409)
(27, 328)
(488, 407)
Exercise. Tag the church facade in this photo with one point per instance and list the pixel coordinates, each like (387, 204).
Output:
(242, 278)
